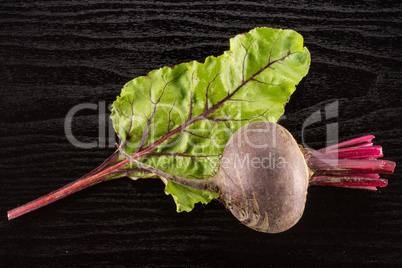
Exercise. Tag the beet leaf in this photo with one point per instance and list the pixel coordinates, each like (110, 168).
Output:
(180, 119)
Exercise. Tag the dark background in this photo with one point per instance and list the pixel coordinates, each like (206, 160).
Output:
(57, 54)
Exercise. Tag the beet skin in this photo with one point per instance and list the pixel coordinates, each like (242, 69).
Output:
(264, 177)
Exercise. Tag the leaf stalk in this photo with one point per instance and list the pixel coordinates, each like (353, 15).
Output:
(198, 184)
(107, 168)
(350, 164)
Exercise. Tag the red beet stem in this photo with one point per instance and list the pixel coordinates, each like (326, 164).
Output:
(369, 188)
(365, 144)
(354, 142)
(373, 176)
(96, 176)
(351, 182)
(361, 152)
(350, 164)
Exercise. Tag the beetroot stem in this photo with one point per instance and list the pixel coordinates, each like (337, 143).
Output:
(350, 164)
(96, 176)
(365, 140)
(361, 152)
(350, 182)
(99, 174)
(204, 185)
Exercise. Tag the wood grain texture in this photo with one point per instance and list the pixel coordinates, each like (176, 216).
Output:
(57, 54)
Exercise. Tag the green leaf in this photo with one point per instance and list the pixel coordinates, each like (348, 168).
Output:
(180, 119)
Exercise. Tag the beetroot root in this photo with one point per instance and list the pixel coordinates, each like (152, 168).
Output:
(264, 177)
(264, 174)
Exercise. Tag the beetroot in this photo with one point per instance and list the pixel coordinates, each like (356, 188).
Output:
(264, 178)
(264, 175)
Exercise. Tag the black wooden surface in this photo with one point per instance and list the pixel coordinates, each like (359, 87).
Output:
(57, 54)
